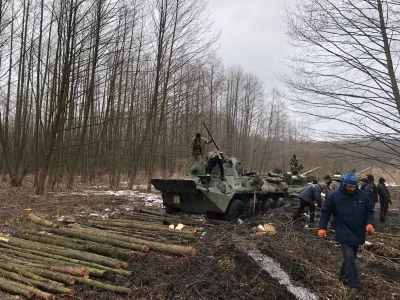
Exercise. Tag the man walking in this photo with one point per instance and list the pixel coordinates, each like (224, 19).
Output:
(384, 199)
(353, 215)
(307, 197)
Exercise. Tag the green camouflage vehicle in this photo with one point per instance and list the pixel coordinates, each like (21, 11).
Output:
(296, 183)
(238, 196)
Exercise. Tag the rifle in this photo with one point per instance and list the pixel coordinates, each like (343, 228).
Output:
(211, 137)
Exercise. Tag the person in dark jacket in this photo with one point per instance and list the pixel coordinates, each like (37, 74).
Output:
(371, 180)
(215, 158)
(384, 199)
(367, 188)
(307, 197)
(353, 215)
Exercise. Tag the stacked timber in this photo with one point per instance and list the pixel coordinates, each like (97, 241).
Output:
(50, 259)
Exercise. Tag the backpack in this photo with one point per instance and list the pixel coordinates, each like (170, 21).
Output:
(197, 145)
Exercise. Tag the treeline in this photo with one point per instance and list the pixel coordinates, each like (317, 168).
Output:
(93, 87)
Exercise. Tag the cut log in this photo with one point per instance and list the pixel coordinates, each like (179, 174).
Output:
(105, 286)
(71, 260)
(99, 259)
(38, 294)
(47, 286)
(35, 258)
(87, 246)
(71, 270)
(101, 239)
(167, 248)
(148, 235)
(9, 287)
(26, 273)
(58, 277)
(35, 219)
(139, 225)
(174, 219)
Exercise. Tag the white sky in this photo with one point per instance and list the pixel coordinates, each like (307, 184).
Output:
(252, 35)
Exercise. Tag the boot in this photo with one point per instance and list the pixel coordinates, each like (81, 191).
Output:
(312, 217)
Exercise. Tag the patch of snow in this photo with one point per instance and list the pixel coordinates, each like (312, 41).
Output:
(367, 243)
(150, 199)
(274, 269)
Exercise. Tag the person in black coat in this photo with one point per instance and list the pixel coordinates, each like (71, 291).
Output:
(353, 215)
(373, 185)
(367, 188)
(384, 199)
(307, 197)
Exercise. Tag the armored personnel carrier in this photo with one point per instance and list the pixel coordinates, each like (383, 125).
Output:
(241, 194)
(296, 183)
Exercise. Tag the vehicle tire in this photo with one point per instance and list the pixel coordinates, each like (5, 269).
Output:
(280, 202)
(266, 205)
(235, 210)
(213, 215)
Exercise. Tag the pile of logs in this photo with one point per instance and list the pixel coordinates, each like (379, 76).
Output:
(50, 258)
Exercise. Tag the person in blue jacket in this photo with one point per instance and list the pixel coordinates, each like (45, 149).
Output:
(366, 187)
(353, 215)
(307, 197)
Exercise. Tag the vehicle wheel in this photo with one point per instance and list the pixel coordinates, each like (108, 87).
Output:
(235, 209)
(213, 215)
(280, 202)
(266, 204)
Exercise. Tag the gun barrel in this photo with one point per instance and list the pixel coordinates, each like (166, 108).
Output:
(309, 171)
(211, 136)
(362, 171)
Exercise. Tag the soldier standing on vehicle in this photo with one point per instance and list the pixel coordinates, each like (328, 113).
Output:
(215, 158)
(384, 199)
(294, 164)
(294, 161)
(198, 147)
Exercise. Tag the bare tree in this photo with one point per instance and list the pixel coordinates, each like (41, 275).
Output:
(344, 71)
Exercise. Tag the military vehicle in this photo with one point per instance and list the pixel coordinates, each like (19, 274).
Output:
(240, 195)
(296, 183)
(339, 177)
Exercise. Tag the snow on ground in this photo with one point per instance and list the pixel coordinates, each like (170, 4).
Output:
(149, 199)
(274, 269)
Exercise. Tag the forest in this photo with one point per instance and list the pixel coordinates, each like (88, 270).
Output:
(98, 97)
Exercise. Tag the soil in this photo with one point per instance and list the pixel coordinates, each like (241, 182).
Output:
(223, 267)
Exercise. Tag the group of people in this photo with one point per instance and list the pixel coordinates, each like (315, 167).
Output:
(351, 204)
(352, 209)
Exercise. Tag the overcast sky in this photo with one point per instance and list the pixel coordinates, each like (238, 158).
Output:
(252, 35)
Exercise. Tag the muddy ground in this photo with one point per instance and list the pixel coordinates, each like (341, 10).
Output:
(223, 267)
